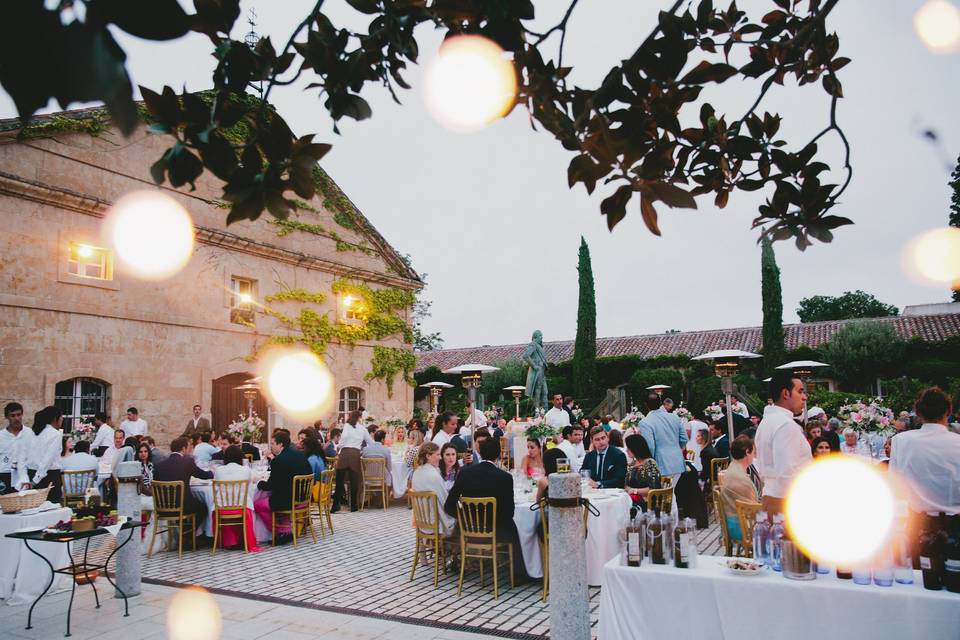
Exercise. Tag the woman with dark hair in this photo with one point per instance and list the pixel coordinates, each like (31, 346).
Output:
(820, 447)
(233, 469)
(314, 452)
(643, 473)
(43, 457)
(145, 458)
(427, 477)
(616, 440)
(532, 463)
(449, 464)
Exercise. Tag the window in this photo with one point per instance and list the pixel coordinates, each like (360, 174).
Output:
(88, 261)
(351, 309)
(242, 295)
(79, 399)
(351, 399)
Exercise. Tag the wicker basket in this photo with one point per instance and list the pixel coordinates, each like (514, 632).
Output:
(13, 502)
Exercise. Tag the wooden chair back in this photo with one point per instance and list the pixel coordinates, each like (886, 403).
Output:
(76, 483)
(167, 498)
(747, 515)
(374, 472)
(426, 513)
(230, 495)
(716, 466)
(660, 500)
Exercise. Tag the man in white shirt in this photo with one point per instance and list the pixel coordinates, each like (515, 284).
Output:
(852, 445)
(109, 459)
(14, 444)
(479, 420)
(782, 450)
(557, 417)
(739, 407)
(352, 439)
(572, 446)
(203, 452)
(448, 425)
(134, 425)
(81, 460)
(104, 436)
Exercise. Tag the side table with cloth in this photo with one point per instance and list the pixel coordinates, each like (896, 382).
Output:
(648, 601)
(23, 575)
(398, 473)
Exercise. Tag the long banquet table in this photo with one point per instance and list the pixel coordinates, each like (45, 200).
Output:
(650, 601)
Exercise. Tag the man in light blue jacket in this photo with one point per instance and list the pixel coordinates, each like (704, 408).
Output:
(666, 438)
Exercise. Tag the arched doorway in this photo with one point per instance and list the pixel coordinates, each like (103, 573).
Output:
(227, 403)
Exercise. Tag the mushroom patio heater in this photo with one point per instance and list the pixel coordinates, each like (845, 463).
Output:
(436, 390)
(517, 391)
(470, 378)
(726, 362)
(659, 388)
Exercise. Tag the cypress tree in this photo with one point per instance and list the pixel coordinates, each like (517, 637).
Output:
(585, 347)
(773, 349)
(955, 215)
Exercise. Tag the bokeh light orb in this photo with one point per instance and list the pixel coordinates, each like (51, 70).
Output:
(150, 233)
(840, 510)
(297, 381)
(938, 24)
(193, 614)
(934, 257)
(470, 83)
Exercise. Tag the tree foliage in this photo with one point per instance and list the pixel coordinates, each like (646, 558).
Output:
(861, 352)
(852, 304)
(626, 131)
(585, 346)
(773, 347)
(955, 214)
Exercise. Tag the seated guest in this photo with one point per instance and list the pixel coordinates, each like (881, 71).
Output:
(81, 460)
(500, 428)
(707, 454)
(43, 455)
(832, 433)
(572, 445)
(314, 451)
(532, 463)
(814, 430)
(156, 453)
(414, 441)
(233, 469)
(306, 432)
(643, 473)
(180, 467)
(736, 484)
(145, 458)
(549, 466)
(378, 450)
(607, 465)
(449, 464)
(426, 477)
(330, 450)
(203, 451)
(820, 447)
(287, 462)
(852, 444)
(721, 442)
(616, 440)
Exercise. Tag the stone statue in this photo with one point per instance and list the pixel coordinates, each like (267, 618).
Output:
(536, 361)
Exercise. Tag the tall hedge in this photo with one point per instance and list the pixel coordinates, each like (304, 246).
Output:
(585, 347)
(773, 349)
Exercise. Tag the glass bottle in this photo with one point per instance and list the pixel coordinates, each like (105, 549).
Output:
(634, 548)
(931, 554)
(655, 540)
(761, 532)
(681, 545)
(774, 548)
(951, 566)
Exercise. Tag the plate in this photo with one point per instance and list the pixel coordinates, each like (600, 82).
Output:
(744, 567)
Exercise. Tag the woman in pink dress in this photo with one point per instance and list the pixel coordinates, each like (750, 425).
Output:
(532, 463)
(233, 469)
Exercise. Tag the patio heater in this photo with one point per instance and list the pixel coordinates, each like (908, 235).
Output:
(517, 391)
(726, 362)
(436, 390)
(659, 388)
(250, 390)
(803, 369)
(470, 378)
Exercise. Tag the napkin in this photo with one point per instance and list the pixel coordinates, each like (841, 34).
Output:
(114, 529)
(46, 506)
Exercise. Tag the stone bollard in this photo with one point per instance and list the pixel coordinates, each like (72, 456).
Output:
(569, 606)
(128, 559)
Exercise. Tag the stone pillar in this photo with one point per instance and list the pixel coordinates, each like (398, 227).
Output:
(128, 559)
(569, 613)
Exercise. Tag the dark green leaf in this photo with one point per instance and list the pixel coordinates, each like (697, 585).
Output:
(183, 167)
(709, 72)
(158, 168)
(649, 215)
(672, 195)
(149, 19)
(615, 206)
(365, 6)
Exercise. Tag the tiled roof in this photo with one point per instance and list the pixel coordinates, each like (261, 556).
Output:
(931, 328)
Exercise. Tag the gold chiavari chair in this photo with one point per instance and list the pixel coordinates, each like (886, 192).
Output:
(728, 542)
(716, 466)
(505, 458)
(666, 482)
(478, 539)
(374, 481)
(249, 457)
(660, 500)
(747, 515)
(75, 485)
(168, 509)
(230, 508)
(299, 512)
(429, 537)
(325, 500)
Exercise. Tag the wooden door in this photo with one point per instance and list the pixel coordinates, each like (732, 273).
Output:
(227, 403)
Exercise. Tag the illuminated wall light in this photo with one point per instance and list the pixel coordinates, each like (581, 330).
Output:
(470, 83)
(840, 511)
(193, 614)
(150, 233)
(938, 24)
(297, 381)
(84, 251)
(246, 298)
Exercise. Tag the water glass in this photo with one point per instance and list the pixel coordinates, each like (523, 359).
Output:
(883, 577)
(861, 576)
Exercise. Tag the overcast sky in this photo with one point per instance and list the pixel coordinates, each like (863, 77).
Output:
(488, 215)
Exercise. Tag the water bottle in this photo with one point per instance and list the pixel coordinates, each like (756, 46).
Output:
(903, 560)
(761, 532)
(774, 549)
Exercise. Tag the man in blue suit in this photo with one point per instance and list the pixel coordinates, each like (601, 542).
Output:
(607, 465)
(666, 438)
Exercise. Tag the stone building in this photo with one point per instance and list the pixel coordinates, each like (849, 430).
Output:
(78, 331)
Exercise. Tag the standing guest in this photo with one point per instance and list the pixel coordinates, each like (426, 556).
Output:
(557, 417)
(693, 446)
(145, 458)
(81, 460)
(719, 439)
(427, 477)
(852, 445)
(203, 451)
(736, 483)
(572, 446)
(707, 454)
(666, 438)
(668, 405)
(330, 450)
(781, 449)
(233, 469)
(446, 426)
(196, 424)
(134, 425)
(607, 465)
(287, 462)
(15, 443)
(319, 430)
(568, 407)
(449, 464)
(813, 431)
(532, 463)
(180, 467)
(43, 458)
(379, 450)
(352, 439)
(643, 473)
(820, 447)
(314, 451)
(104, 437)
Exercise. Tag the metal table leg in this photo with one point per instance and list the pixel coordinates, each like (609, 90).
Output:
(92, 583)
(49, 583)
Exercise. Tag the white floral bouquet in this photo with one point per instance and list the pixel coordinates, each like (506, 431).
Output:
(370, 419)
(683, 413)
(492, 414)
(631, 421)
(539, 429)
(577, 412)
(84, 430)
(714, 412)
(867, 418)
(248, 429)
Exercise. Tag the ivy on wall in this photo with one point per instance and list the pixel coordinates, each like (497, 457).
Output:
(387, 362)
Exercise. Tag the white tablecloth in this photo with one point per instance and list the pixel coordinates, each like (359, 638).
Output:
(398, 473)
(528, 529)
(650, 601)
(22, 574)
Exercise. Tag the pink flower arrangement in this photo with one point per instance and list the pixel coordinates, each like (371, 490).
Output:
(866, 418)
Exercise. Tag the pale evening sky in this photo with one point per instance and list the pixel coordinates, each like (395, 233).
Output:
(488, 215)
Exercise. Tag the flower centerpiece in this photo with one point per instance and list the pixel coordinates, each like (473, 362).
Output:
(631, 422)
(867, 418)
(714, 412)
(577, 412)
(537, 428)
(683, 413)
(84, 430)
(492, 414)
(248, 429)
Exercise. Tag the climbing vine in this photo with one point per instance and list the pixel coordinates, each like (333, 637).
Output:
(297, 295)
(387, 362)
(335, 201)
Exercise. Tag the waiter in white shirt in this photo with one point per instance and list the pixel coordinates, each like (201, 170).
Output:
(43, 457)
(928, 460)
(352, 439)
(104, 437)
(557, 417)
(448, 425)
(782, 450)
(572, 446)
(15, 442)
(134, 425)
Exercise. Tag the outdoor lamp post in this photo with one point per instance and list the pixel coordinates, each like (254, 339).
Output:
(726, 362)
(517, 391)
(659, 388)
(470, 378)
(436, 390)
(803, 369)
